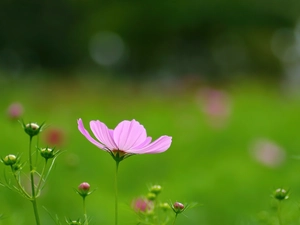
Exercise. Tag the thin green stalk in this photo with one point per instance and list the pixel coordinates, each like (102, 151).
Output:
(175, 218)
(86, 222)
(38, 187)
(279, 212)
(33, 194)
(21, 189)
(116, 193)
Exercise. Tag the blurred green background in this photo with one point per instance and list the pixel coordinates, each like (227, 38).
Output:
(221, 78)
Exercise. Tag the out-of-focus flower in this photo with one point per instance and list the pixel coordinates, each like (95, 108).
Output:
(216, 106)
(15, 111)
(128, 138)
(54, 136)
(268, 153)
(142, 205)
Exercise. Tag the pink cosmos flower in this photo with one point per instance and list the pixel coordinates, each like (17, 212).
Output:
(142, 205)
(15, 110)
(128, 138)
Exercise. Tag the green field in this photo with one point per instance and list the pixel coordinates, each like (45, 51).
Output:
(208, 165)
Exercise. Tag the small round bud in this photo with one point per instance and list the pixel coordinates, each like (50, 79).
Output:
(83, 189)
(281, 194)
(9, 160)
(164, 206)
(47, 153)
(156, 189)
(178, 207)
(73, 222)
(151, 196)
(32, 129)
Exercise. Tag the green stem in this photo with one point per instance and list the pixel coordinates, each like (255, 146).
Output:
(116, 193)
(21, 189)
(279, 213)
(38, 187)
(33, 194)
(175, 218)
(86, 222)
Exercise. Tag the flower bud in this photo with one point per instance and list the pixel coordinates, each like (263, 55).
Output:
(32, 129)
(83, 189)
(178, 207)
(47, 153)
(151, 196)
(9, 160)
(156, 189)
(281, 194)
(73, 222)
(165, 206)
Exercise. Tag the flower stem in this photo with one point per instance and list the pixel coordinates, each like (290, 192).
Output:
(175, 218)
(279, 213)
(38, 188)
(86, 222)
(116, 193)
(33, 194)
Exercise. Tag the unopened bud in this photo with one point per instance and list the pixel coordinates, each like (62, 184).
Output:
(47, 153)
(164, 206)
(9, 160)
(83, 189)
(156, 189)
(178, 207)
(151, 196)
(73, 222)
(281, 194)
(32, 129)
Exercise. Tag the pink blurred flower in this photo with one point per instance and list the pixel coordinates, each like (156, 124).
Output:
(216, 105)
(268, 153)
(142, 205)
(128, 138)
(54, 136)
(15, 110)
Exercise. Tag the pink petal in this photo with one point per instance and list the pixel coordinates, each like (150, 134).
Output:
(158, 146)
(87, 135)
(129, 134)
(103, 134)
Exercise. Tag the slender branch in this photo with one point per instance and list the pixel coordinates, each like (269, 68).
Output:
(20, 188)
(38, 187)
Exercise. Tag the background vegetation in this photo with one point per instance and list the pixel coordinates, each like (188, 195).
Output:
(209, 164)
